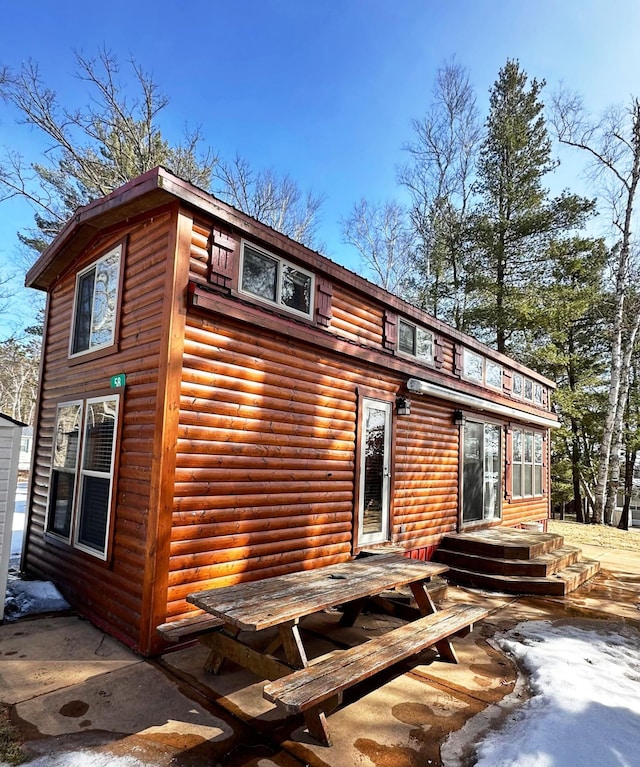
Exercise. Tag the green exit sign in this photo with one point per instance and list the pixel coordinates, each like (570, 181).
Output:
(118, 381)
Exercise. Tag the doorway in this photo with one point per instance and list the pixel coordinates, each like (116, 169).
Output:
(375, 472)
(481, 472)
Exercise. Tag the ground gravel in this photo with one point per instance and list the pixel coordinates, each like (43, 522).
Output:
(596, 535)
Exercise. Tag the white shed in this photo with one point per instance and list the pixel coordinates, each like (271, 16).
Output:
(10, 435)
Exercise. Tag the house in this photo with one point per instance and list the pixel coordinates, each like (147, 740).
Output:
(10, 436)
(220, 404)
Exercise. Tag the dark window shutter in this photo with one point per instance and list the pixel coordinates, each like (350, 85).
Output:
(390, 330)
(438, 352)
(506, 381)
(457, 360)
(324, 295)
(222, 261)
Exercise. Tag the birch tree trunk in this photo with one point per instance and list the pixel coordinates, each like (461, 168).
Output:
(614, 146)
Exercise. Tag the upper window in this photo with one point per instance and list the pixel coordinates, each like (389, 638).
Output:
(96, 304)
(493, 375)
(477, 368)
(415, 341)
(82, 473)
(473, 366)
(527, 463)
(276, 281)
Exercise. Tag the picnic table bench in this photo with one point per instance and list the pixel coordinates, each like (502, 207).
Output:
(298, 685)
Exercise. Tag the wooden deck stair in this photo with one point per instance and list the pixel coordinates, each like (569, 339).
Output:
(515, 561)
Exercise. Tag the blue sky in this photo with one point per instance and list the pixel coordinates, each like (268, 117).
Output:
(323, 90)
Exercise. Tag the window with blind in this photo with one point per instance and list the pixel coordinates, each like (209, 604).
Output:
(81, 488)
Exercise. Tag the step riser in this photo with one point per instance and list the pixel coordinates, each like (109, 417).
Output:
(515, 562)
(502, 551)
(554, 587)
(514, 567)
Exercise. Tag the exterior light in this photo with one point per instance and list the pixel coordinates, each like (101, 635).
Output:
(458, 417)
(403, 406)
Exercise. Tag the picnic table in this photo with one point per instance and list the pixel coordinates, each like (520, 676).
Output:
(281, 602)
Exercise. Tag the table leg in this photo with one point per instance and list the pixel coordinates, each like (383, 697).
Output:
(315, 718)
(427, 607)
(351, 612)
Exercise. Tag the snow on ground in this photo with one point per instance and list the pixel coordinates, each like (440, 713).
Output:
(26, 597)
(82, 759)
(584, 707)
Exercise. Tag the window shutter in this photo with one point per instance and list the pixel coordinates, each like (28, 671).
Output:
(457, 360)
(324, 295)
(438, 352)
(221, 261)
(390, 331)
(506, 381)
(508, 465)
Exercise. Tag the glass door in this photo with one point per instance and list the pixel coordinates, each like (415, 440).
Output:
(375, 472)
(481, 472)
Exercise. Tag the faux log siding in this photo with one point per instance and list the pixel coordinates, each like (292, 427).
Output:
(355, 319)
(425, 474)
(199, 261)
(265, 463)
(517, 511)
(111, 590)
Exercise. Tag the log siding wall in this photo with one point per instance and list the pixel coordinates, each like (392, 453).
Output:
(110, 592)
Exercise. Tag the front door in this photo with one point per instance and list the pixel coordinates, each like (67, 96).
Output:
(481, 472)
(375, 472)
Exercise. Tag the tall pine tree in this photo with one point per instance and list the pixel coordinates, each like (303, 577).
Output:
(515, 220)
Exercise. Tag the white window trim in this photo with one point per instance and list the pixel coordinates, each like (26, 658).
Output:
(79, 475)
(54, 533)
(500, 386)
(416, 328)
(93, 265)
(281, 262)
(522, 463)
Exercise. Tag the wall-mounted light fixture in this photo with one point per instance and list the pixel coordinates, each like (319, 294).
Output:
(403, 406)
(458, 417)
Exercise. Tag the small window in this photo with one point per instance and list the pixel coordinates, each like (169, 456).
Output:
(517, 385)
(494, 375)
(96, 304)
(63, 472)
(274, 280)
(473, 366)
(415, 341)
(527, 460)
(81, 490)
(537, 394)
(528, 389)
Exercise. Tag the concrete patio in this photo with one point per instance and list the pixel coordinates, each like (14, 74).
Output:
(70, 687)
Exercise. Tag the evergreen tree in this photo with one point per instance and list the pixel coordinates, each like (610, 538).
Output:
(514, 219)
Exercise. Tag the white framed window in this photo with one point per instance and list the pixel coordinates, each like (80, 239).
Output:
(517, 385)
(81, 485)
(527, 461)
(484, 371)
(537, 395)
(95, 305)
(416, 341)
(493, 374)
(276, 281)
(473, 366)
(528, 390)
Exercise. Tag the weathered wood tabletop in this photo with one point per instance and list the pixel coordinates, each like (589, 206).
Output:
(273, 601)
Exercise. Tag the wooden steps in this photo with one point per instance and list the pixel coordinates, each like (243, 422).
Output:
(515, 562)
